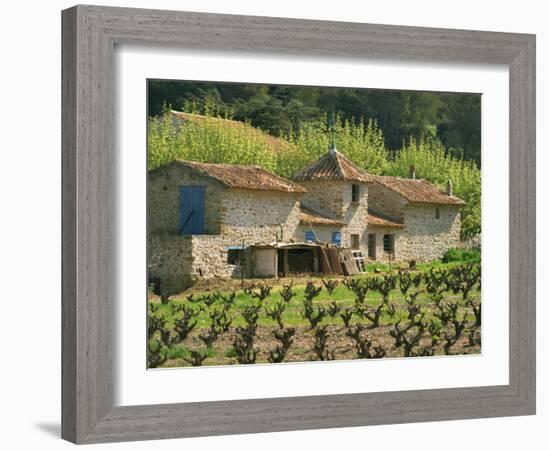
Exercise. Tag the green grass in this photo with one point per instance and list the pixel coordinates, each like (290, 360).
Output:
(385, 267)
(293, 312)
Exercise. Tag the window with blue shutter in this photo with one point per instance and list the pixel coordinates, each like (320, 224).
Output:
(310, 236)
(191, 218)
(336, 238)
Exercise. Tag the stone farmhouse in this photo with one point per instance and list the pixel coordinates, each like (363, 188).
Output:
(224, 220)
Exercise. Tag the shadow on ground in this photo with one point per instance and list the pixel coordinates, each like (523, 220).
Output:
(53, 429)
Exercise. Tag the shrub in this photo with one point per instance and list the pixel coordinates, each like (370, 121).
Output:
(462, 255)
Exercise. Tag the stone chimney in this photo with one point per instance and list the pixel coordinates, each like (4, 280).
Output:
(412, 172)
(449, 187)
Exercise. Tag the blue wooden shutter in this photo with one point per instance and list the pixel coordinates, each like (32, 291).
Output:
(191, 218)
(336, 238)
(310, 236)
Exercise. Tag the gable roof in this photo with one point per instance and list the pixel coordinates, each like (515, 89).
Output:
(313, 217)
(417, 190)
(332, 166)
(243, 176)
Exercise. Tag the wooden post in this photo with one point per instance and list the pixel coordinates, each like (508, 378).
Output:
(276, 262)
(315, 260)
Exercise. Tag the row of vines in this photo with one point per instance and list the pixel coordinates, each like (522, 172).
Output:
(422, 314)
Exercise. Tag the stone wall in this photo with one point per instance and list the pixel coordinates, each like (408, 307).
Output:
(247, 218)
(237, 217)
(179, 261)
(379, 232)
(163, 198)
(386, 201)
(323, 232)
(356, 216)
(259, 217)
(326, 197)
(170, 262)
(426, 238)
(333, 198)
(233, 218)
(210, 257)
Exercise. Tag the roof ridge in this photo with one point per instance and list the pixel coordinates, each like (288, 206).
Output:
(417, 190)
(338, 163)
(332, 166)
(246, 176)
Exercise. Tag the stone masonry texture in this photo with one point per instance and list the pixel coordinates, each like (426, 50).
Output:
(238, 218)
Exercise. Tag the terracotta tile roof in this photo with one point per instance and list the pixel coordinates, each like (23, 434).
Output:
(417, 190)
(243, 177)
(332, 166)
(313, 217)
(382, 220)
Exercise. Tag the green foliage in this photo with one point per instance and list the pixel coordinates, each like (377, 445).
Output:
(279, 110)
(363, 144)
(215, 140)
(461, 255)
(205, 141)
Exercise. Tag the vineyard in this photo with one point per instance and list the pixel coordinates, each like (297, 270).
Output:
(425, 313)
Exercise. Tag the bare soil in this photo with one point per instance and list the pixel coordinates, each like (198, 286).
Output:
(341, 345)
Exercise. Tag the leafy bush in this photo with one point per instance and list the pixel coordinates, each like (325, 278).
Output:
(462, 255)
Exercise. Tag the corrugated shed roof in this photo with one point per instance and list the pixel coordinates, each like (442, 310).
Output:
(332, 166)
(313, 217)
(418, 190)
(243, 177)
(381, 220)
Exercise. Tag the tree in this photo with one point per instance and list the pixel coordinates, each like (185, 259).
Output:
(454, 119)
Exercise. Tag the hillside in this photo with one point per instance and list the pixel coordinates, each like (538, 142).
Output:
(274, 144)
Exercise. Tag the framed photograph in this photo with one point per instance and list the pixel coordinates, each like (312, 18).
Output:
(294, 244)
(300, 222)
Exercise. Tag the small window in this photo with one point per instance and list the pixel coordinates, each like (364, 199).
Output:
(355, 192)
(336, 238)
(388, 243)
(234, 256)
(355, 241)
(310, 236)
(437, 213)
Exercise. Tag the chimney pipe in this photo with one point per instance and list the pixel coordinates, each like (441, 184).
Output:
(412, 172)
(449, 187)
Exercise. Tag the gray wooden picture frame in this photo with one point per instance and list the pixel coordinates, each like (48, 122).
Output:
(90, 34)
